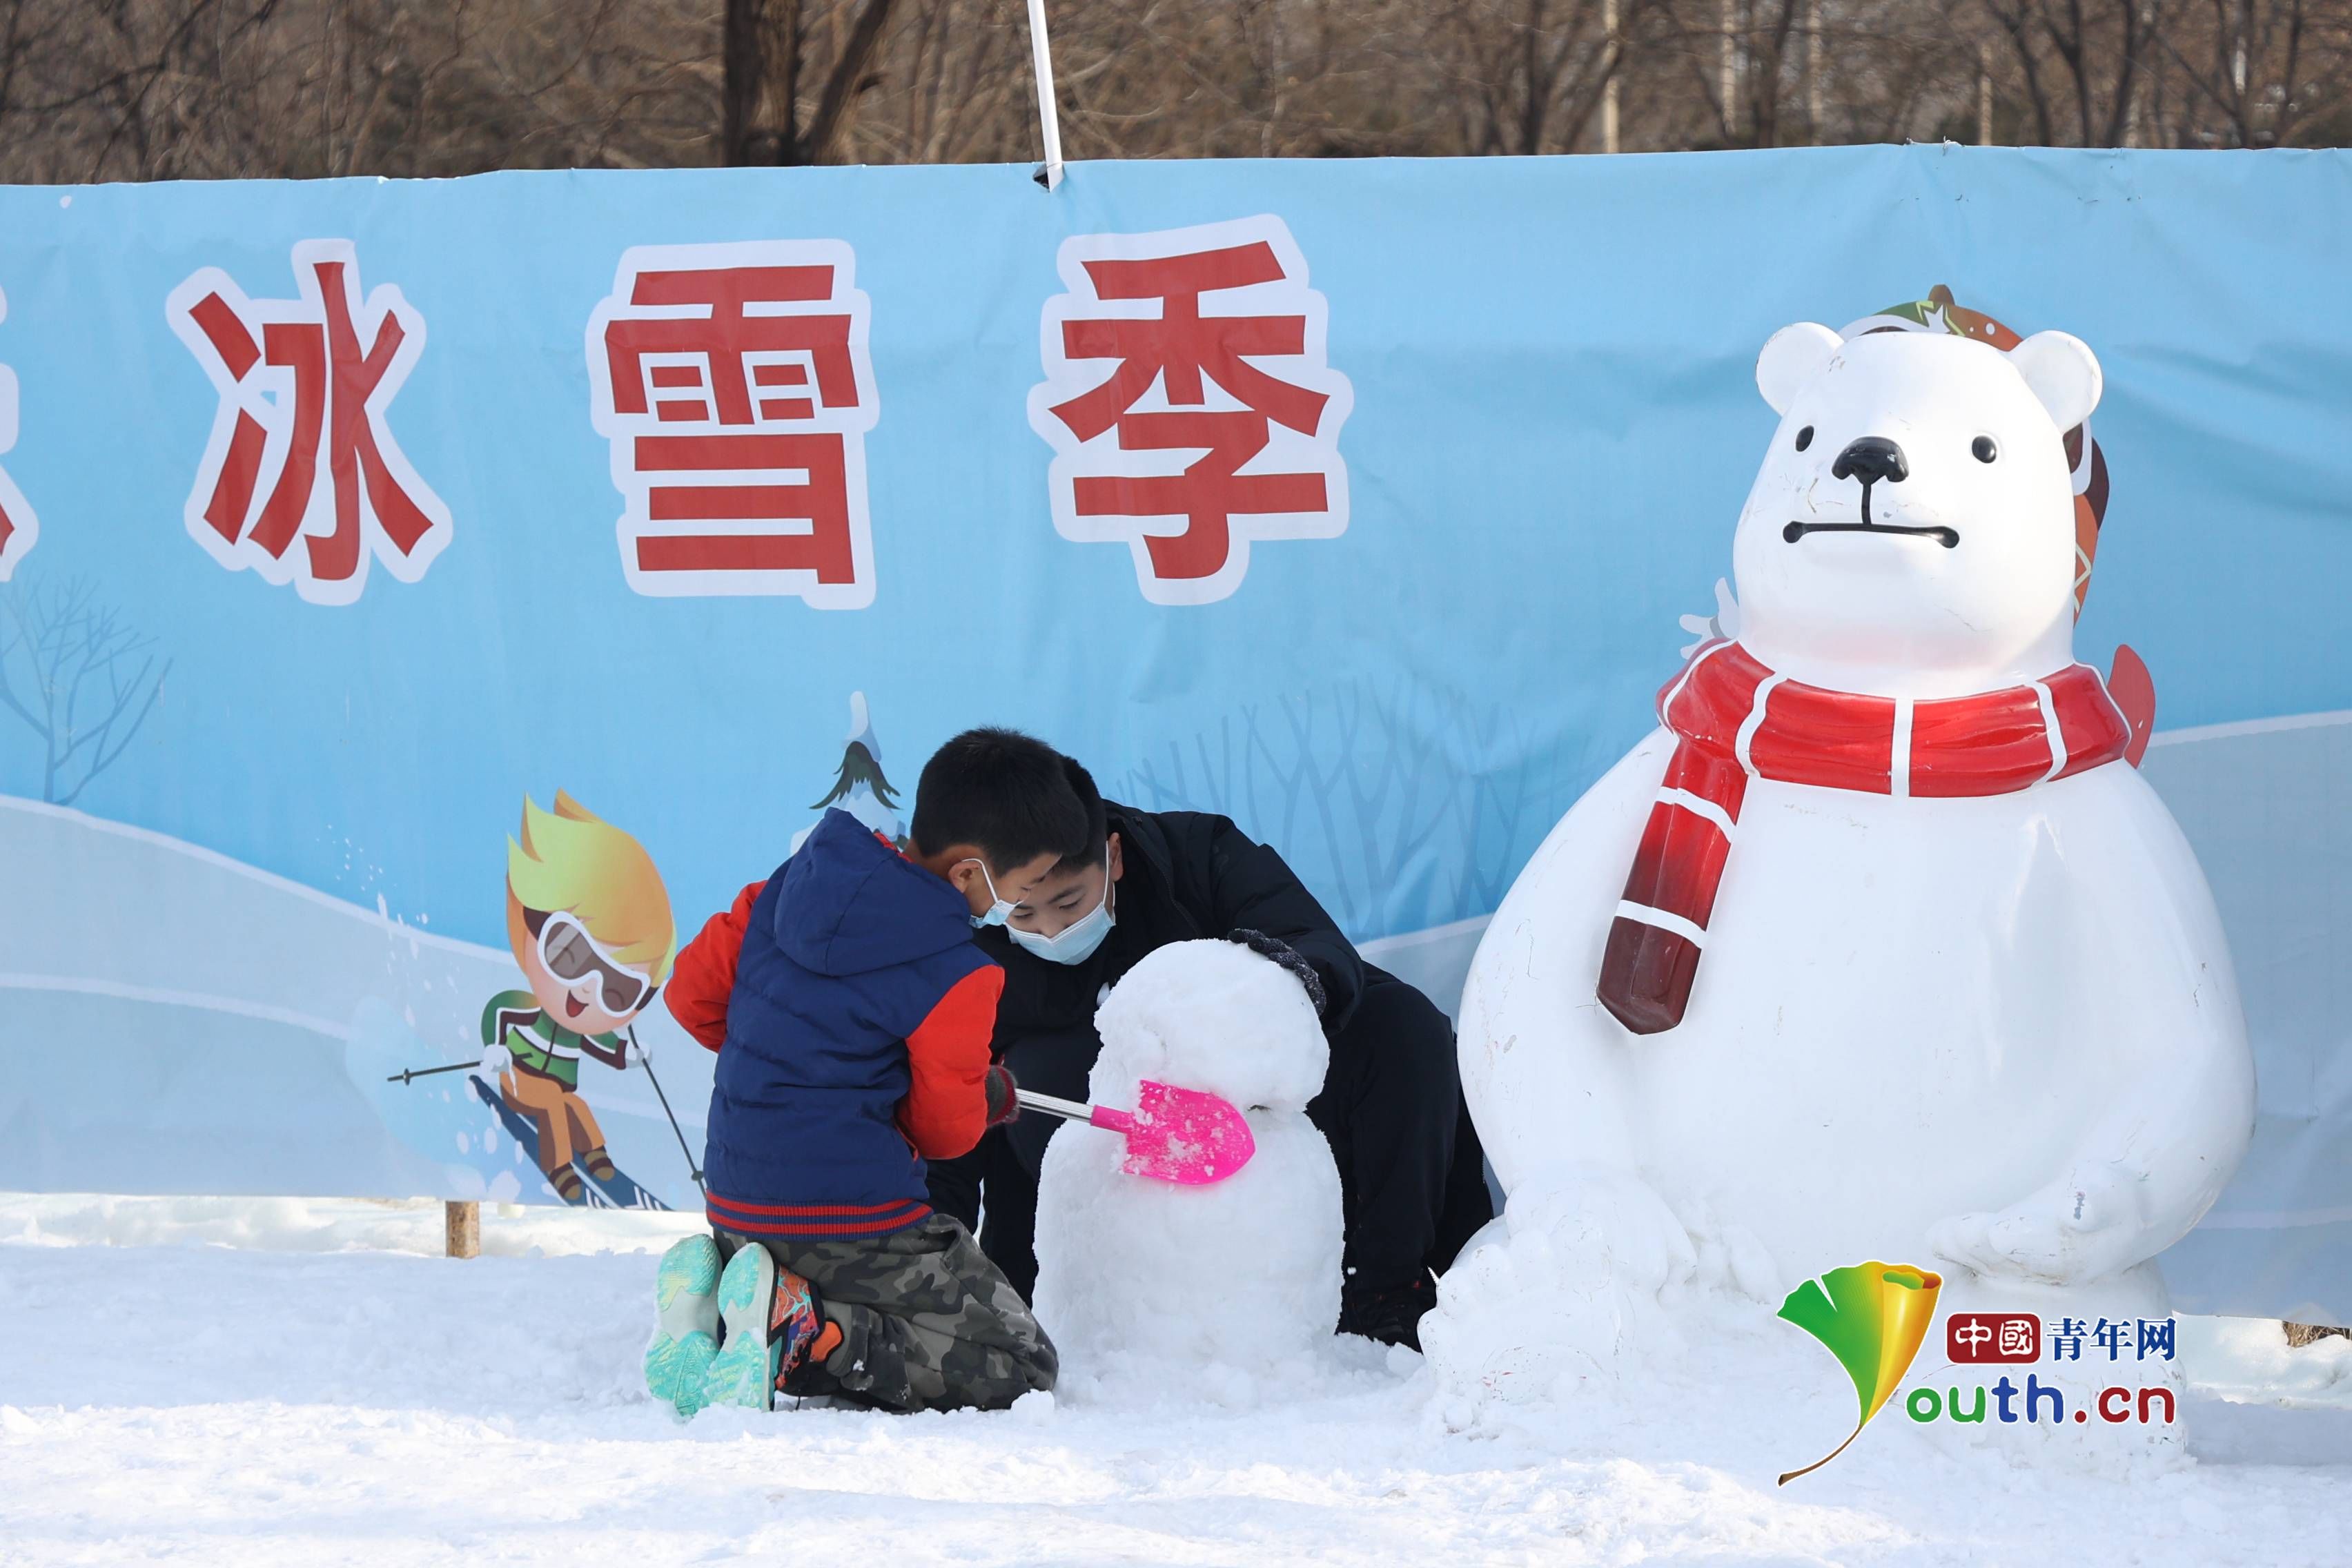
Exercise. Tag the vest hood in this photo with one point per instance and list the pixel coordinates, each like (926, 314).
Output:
(851, 904)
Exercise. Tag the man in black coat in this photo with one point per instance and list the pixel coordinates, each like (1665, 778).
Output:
(1411, 1172)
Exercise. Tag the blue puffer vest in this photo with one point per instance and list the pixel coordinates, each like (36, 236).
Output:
(850, 946)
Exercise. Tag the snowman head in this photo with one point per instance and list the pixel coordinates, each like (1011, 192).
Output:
(1912, 529)
(1211, 1016)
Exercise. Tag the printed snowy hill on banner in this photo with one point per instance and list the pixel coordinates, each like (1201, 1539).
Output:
(179, 1022)
(1880, 946)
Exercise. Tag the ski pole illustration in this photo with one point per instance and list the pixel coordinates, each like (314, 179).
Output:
(408, 1074)
(691, 1168)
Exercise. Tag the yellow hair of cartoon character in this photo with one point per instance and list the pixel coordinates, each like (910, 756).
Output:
(572, 860)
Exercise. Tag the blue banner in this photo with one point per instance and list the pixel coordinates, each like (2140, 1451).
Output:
(1358, 500)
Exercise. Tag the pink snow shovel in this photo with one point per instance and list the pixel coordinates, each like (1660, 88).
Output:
(1183, 1135)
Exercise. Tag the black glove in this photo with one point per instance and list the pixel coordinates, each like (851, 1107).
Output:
(1280, 952)
(1003, 1107)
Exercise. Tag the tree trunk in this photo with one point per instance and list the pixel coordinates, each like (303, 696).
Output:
(761, 45)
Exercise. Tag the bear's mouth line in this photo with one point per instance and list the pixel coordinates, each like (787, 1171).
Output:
(1949, 537)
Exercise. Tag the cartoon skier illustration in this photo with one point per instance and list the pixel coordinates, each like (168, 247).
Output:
(589, 924)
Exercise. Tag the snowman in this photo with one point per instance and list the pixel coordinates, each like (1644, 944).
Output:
(1879, 947)
(1227, 1289)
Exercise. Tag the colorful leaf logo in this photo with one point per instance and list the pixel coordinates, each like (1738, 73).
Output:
(1873, 1317)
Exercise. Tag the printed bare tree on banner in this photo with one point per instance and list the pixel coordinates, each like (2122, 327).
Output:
(1190, 403)
(76, 675)
(1403, 804)
(301, 449)
(18, 527)
(734, 385)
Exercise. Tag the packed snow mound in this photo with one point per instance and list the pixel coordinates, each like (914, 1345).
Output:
(439, 1411)
(1227, 1293)
(1211, 1016)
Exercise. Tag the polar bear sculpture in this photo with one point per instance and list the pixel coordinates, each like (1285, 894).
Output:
(1879, 947)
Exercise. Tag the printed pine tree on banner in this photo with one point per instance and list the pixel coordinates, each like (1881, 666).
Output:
(860, 788)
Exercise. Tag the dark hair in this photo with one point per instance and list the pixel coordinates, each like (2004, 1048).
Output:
(1082, 784)
(1007, 794)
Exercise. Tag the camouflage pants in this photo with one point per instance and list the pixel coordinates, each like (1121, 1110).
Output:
(927, 1323)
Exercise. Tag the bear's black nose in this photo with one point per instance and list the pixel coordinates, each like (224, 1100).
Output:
(1871, 460)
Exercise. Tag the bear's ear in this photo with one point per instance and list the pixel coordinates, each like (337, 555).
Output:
(2063, 372)
(1794, 356)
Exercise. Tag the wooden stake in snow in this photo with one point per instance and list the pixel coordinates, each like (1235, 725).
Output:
(463, 1224)
(1048, 118)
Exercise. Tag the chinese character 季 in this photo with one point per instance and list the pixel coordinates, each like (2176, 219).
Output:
(18, 527)
(1971, 1337)
(1190, 403)
(301, 453)
(2066, 1340)
(2155, 1338)
(733, 383)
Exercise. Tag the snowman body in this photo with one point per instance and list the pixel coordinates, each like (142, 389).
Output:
(1994, 1035)
(1220, 1290)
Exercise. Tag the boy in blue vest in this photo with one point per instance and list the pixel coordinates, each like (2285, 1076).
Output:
(852, 1013)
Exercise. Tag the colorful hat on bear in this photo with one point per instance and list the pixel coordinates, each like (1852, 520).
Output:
(1939, 312)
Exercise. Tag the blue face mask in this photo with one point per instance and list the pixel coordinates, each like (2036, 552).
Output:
(998, 912)
(1074, 942)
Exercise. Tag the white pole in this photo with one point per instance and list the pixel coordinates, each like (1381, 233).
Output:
(1609, 90)
(1048, 118)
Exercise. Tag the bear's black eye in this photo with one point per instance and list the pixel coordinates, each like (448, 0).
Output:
(1984, 450)
(1805, 437)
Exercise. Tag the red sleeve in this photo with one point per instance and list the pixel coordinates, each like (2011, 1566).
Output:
(704, 975)
(946, 1107)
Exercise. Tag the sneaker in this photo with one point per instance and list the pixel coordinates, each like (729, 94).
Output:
(802, 1335)
(1389, 1313)
(686, 1323)
(744, 1370)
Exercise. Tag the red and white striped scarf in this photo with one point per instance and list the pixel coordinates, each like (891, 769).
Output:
(1735, 719)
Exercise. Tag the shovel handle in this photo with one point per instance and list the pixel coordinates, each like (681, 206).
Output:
(1068, 1109)
(1071, 1110)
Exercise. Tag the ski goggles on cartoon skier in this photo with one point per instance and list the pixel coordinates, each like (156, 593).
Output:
(572, 955)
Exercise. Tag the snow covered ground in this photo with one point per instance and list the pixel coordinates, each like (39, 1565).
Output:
(264, 1382)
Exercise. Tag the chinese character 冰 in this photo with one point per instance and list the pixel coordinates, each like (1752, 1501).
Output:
(1189, 402)
(734, 385)
(18, 527)
(299, 447)
(2066, 1340)
(2156, 1338)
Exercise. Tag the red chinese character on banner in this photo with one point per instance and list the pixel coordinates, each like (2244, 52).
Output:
(18, 527)
(300, 449)
(1184, 430)
(733, 383)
